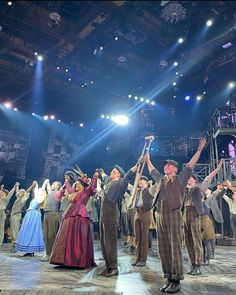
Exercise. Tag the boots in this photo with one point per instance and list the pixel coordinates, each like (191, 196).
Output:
(192, 267)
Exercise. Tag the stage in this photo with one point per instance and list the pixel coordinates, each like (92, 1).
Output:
(28, 275)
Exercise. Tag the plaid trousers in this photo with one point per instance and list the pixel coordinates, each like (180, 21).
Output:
(170, 238)
(192, 234)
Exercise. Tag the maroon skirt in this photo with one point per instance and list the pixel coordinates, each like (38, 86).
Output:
(74, 243)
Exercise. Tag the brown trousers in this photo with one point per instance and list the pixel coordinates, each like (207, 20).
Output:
(170, 238)
(141, 223)
(51, 223)
(108, 226)
(192, 234)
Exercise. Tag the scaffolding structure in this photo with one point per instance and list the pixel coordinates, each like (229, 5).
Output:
(222, 126)
(222, 129)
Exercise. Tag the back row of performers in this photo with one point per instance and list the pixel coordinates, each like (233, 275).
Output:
(181, 208)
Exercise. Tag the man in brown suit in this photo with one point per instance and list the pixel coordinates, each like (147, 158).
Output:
(169, 201)
(143, 203)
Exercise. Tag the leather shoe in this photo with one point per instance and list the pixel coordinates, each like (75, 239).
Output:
(174, 287)
(141, 263)
(197, 270)
(28, 254)
(135, 263)
(167, 284)
(191, 269)
(112, 272)
(104, 272)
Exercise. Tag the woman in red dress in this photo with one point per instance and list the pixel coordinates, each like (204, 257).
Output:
(74, 243)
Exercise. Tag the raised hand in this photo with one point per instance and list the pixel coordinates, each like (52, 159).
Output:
(202, 143)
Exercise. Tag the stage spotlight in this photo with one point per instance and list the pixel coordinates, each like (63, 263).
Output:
(33, 114)
(174, 96)
(52, 117)
(181, 40)
(91, 130)
(8, 105)
(136, 97)
(204, 92)
(59, 121)
(174, 83)
(141, 99)
(102, 116)
(116, 38)
(9, 3)
(108, 117)
(36, 53)
(40, 58)
(187, 97)
(15, 109)
(67, 70)
(82, 85)
(58, 68)
(91, 82)
(153, 103)
(147, 100)
(175, 64)
(81, 125)
(69, 79)
(231, 85)
(45, 117)
(176, 73)
(121, 120)
(129, 96)
(199, 97)
(209, 23)
(101, 48)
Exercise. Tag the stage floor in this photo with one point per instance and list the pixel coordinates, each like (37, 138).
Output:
(29, 275)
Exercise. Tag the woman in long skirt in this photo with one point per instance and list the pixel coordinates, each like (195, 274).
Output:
(30, 238)
(74, 243)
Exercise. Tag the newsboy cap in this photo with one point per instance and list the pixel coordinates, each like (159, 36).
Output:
(121, 170)
(171, 162)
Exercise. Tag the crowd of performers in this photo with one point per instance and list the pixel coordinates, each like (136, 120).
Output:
(183, 215)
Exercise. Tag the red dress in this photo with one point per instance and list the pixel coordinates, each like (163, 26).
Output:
(74, 243)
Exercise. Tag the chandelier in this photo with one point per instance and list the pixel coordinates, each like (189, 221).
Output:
(173, 13)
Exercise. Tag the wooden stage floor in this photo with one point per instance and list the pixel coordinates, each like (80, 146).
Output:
(28, 275)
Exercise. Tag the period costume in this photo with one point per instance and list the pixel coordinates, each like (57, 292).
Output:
(73, 246)
(232, 211)
(193, 209)
(207, 227)
(51, 220)
(30, 237)
(15, 218)
(4, 200)
(113, 193)
(169, 202)
(143, 203)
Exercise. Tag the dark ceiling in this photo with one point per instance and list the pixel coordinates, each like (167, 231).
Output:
(133, 64)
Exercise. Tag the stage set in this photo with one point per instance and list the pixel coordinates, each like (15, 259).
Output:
(83, 86)
(28, 275)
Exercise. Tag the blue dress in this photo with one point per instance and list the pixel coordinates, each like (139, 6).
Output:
(30, 238)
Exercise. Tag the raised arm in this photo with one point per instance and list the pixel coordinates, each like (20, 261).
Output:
(196, 156)
(11, 193)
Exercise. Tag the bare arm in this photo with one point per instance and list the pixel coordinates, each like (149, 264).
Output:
(196, 156)
(214, 172)
(149, 163)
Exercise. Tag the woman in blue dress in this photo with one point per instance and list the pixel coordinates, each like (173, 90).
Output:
(30, 238)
